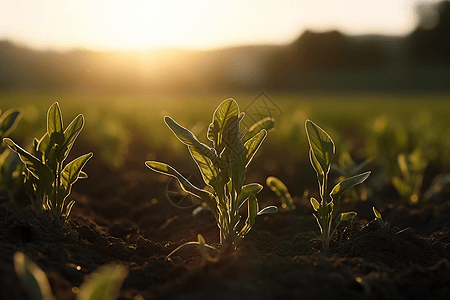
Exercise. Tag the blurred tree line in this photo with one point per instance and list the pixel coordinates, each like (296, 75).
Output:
(314, 61)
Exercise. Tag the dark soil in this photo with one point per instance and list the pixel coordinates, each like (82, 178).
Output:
(123, 216)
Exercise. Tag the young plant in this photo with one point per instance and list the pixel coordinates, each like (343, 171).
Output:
(103, 283)
(412, 168)
(223, 167)
(379, 218)
(321, 153)
(47, 178)
(281, 191)
(10, 167)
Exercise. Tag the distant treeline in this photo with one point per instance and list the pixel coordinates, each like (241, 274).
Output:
(314, 61)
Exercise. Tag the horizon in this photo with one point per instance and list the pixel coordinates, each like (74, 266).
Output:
(199, 25)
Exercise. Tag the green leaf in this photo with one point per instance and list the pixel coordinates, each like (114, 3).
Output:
(376, 213)
(321, 145)
(347, 216)
(317, 168)
(184, 183)
(201, 246)
(267, 124)
(104, 283)
(344, 185)
(33, 279)
(237, 171)
(72, 170)
(403, 165)
(251, 218)
(82, 175)
(9, 121)
(402, 187)
(34, 165)
(204, 164)
(268, 210)
(54, 119)
(222, 120)
(281, 190)
(253, 144)
(69, 209)
(70, 135)
(189, 139)
(252, 188)
(378, 217)
(315, 204)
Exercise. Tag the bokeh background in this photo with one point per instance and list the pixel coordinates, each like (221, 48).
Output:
(373, 74)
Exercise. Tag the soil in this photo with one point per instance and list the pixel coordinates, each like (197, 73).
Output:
(123, 216)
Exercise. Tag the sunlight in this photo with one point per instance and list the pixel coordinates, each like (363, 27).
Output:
(138, 25)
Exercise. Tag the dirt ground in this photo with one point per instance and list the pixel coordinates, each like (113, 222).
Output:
(123, 216)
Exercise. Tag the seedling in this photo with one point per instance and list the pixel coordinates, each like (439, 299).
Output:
(412, 168)
(347, 167)
(103, 283)
(32, 277)
(223, 167)
(281, 191)
(47, 179)
(321, 153)
(10, 167)
(378, 217)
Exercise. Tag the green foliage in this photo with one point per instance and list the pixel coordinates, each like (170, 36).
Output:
(104, 283)
(10, 167)
(223, 167)
(412, 168)
(48, 181)
(378, 217)
(32, 277)
(282, 192)
(321, 153)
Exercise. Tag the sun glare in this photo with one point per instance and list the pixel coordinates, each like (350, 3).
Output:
(138, 25)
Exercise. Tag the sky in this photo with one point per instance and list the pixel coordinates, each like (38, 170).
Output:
(193, 24)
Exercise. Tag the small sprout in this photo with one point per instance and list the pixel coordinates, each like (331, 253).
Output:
(32, 277)
(412, 168)
(321, 153)
(378, 217)
(47, 180)
(103, 283)
(281, 191)
(11, 177)
(223, 167)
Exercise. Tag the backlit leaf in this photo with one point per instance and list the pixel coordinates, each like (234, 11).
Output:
(251, 217)
(267, 124)
(33, 279)
(344, 185)
(347, 216)
(252, 188)
(184, 183)
(72, 170)
(104, 283)
(9, 121)
(188, 138)
(253, 144)
(204, 164)
(70, 135)
(268, 210)
(315, 204)
(321, 145)
(54, 119)
(222, 121)
(34, 165)
(281, 190)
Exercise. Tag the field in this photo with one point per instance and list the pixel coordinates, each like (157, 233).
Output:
(122, 213)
